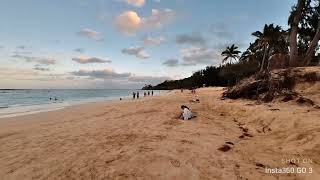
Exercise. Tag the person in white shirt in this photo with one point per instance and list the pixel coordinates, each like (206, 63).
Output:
(186, 113)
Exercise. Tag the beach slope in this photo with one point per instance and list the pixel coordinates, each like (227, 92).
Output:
(144, 139)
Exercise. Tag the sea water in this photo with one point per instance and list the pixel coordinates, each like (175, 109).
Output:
(27, 101)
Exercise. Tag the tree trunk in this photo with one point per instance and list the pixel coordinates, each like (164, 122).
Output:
(294, 32)
(312, 47)
(264, 57)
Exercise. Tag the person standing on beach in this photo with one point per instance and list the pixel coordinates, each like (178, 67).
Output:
(152, 93)
(148, 93)
(144, 94)
(134, 95)
(137, 94)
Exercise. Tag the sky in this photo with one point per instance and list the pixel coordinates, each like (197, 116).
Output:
(122, 44)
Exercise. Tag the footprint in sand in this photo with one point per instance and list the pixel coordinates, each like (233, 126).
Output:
(186, 142)
(224, 148)
(175, 163)
(245, 135)
(172, 122)
(144, 149)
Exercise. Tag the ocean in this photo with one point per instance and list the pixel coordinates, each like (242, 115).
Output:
(27, 101)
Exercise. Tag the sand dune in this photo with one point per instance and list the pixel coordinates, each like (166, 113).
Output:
(145, 140)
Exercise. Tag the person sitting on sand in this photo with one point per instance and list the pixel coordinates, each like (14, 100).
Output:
(186, 113)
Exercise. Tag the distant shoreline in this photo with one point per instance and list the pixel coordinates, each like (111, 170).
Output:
(51, 105)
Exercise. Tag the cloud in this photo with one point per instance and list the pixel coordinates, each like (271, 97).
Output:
(129, 21)
(86, 60)
(17, 72)
(39, 60)
(221, 31)
(137, 3)
(128, 78)
(22, 52)
(21, 47)
(39, 68)
(148, 40)
(101, 74)
(79, 50)
(148, 79)
(158, 18)
(136, 51)
(193, 39)
(171, 62)
(199, 55)
(89, 33)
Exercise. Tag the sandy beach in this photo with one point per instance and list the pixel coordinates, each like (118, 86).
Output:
(143, 139)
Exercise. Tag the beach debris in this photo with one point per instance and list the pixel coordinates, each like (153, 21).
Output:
(274, 109)
(289, 97)
(260, 165)
(294, 164)
(224, 148)
(195, 101)
(303, 100)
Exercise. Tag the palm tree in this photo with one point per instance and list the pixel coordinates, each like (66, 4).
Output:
(230, 53)
(294, 19)
(304, 28)
(271, 37)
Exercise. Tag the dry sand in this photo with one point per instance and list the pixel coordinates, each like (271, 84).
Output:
(144, 140)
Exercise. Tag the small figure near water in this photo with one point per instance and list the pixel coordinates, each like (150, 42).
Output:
(152, 93)
(134, 95)
(137, 94)
(148, 93)
(53, 99)
(144, 94)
